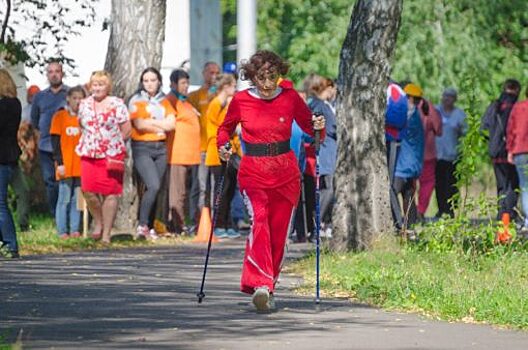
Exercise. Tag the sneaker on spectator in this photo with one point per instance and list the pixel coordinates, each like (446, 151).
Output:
(142, 232)
(75, 235)
(152, 235)
(64, 236)
(232, 233)
(220, 233)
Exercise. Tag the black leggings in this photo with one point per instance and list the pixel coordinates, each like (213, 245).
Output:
(150, 161)
(224, 219)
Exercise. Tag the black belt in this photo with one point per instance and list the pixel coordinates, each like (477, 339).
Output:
(267, 149)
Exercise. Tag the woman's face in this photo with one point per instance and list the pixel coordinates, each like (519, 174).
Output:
(266, 82)
(74, 100)
(99, 89)
(183, 86)
(151, 83)
(230, 89)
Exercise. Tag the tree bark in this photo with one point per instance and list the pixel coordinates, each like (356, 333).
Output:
(136, 42)
(362, 209)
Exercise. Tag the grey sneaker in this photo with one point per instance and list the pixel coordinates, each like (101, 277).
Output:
(261, 298)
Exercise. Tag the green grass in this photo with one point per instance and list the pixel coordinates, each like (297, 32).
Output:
(490, 288)
(43, 239)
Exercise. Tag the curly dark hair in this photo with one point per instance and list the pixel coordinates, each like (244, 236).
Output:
(263, 59)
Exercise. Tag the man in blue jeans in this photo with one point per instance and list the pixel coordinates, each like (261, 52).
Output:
(45, 104)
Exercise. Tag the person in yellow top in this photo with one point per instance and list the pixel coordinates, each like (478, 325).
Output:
(65, 133)
(152, 117)
(200, 99)
(183, 148)
(226, 88)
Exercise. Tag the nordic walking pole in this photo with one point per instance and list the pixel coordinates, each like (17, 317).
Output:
(303, 203)
(217, 199)
(317, 217)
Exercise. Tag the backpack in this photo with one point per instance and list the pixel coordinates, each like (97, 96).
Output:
(496, 121)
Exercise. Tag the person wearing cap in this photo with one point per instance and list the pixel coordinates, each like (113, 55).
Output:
(200, 100)
(395, 123)
(432, 125)
(453, 128)
(45, 104)
(407, 169)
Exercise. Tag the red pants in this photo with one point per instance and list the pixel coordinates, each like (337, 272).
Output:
(427, 185)
(272, 214)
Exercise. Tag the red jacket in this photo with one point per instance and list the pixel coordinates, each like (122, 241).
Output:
(517, 131)
(432, 124)
(265, 121)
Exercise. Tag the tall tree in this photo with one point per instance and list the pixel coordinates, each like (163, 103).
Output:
(362, 208)
(137, 32)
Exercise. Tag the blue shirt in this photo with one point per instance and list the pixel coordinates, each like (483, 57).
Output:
(44, 106)
(328, 151)
(453, 128)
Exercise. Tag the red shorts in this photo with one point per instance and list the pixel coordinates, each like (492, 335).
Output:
(95, 178)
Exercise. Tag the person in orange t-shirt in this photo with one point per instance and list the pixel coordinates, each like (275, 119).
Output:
(183, 148)
(65, 134)
(226, 87)
(200, 99)
(152, 116)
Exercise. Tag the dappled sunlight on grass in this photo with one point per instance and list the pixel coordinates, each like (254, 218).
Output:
(490, 288)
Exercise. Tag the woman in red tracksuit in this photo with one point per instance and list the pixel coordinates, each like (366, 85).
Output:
(269, 174)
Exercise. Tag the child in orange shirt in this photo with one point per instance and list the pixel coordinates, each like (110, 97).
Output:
(65, 134)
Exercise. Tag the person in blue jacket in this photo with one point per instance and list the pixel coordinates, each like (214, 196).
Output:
(408, 168)
(395, 123)
(321, 91)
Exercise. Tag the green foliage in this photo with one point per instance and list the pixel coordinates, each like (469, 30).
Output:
(468, 236)
(439, 44)
(13, 52)
(473, 147)
(229, 30)
(33, 31)
(487, 288)
(309, 33)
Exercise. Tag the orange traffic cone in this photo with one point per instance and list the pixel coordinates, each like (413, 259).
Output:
(504, 236)
(204, 228)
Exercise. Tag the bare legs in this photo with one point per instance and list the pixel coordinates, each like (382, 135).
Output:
(109, 214)
(103, 210)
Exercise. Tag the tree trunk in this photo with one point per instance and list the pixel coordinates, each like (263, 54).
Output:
(362, 210)
(136, 42)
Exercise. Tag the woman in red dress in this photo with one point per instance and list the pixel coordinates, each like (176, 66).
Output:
(105, 127)
(269, 174)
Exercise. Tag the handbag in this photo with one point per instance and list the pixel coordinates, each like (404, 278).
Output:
(114, 164)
